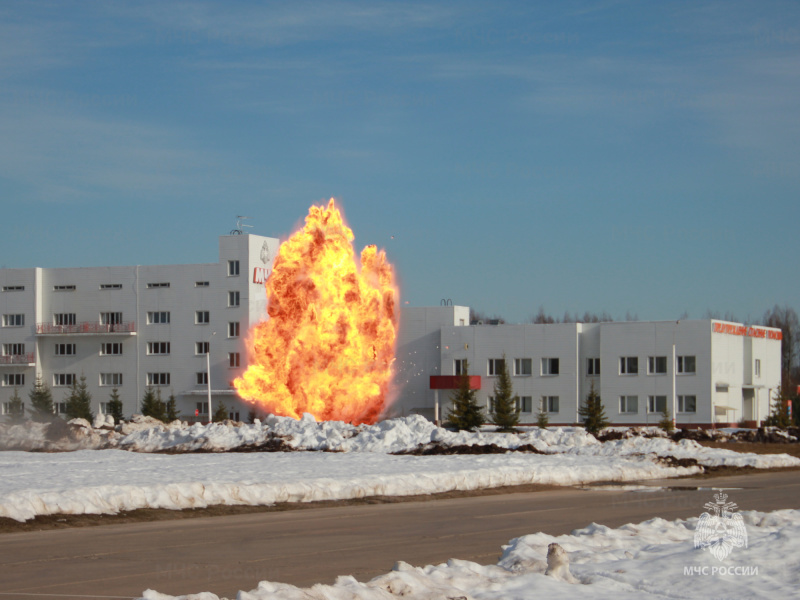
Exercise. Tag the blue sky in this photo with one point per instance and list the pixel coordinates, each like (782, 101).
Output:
(626, 157)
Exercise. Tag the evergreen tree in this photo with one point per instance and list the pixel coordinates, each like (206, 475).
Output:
(221, 413)
(41, 401)
(171, 409)
(666, 421)
(16, 409)
(465, 413)
(542, 420)
(79, 401)
(593, 413)
(152, 406)
(505, 410)
(779, 415)
(115, 406)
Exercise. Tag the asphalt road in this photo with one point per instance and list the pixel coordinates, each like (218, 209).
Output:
(303, 547)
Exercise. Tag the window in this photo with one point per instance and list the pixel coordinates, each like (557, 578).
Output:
(158, 317)
(110, 286)
(233, 268)
(656, 365)
(628, 404)
(526, 404)
(158, 347)
(158, 379)
(111, 318)
(686, 365)
(656, 404)
(114, 349)
(233, 359)
(63, 379)
(111, 379)
(757, 368)
(201, 284)
(628, 365)
(234, 415)
(66, 349)
(233, 329)
(13, 320)
(13, 288)
(6, 408)
(593, 366)
(550, 366)
(491, 404)
(60, 408)
(63, 288)
(496, 366)
(202, 377)
(687, 404)
(460, 366)
(162, 284)
(14, 379)
(201, 408)
(104, 408)
(201, 347)
(13, 349)
(721, 387)
(201, 317)
(550, 404)
(64, 319)
(233, 298)
(523, 366)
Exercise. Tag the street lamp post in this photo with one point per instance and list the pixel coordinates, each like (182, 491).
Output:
(208, 373)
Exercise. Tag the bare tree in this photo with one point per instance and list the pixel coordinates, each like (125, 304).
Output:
(785, 319)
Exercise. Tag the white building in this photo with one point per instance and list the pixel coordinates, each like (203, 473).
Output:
(705, 372)
(132, 327)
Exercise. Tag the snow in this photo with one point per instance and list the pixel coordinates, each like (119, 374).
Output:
(653, 559)
(338, 461)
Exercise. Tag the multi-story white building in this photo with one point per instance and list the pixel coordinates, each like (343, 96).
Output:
(705, 372)
(128, 328)
(133, 327)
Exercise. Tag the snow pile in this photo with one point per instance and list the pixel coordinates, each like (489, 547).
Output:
(653, 559)
(110, 481)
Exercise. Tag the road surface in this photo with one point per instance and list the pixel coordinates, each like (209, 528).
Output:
(303, 547)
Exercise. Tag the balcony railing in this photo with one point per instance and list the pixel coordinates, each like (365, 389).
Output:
(89, 327)
(17, 359)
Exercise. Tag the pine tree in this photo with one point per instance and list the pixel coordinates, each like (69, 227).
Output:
(115, 406)
(16, 409)
(465, 413)
(171, 409)
(505, 410)
(666, 421)
(779, 415)
(593, 413)
(542, 420)
(221, 413)
(41, 401)
(79, 401)
(152, 406)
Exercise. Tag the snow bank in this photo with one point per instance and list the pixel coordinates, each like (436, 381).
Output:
(653, 559)
(110, 481)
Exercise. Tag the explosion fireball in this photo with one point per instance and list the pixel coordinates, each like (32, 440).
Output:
(328, 345)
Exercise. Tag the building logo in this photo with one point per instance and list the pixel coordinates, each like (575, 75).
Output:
(721, 529)
(264, 252)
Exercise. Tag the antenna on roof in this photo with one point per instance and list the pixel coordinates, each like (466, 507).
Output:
(239, 225)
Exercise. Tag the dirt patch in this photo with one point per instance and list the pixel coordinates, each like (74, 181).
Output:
(437, 449)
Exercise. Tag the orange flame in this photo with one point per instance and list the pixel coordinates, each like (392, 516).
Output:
(328, 345)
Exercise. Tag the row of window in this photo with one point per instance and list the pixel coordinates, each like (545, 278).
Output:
(233, 269)
(628, 365)
(109, 379)
(201, 317)
(627, 404)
